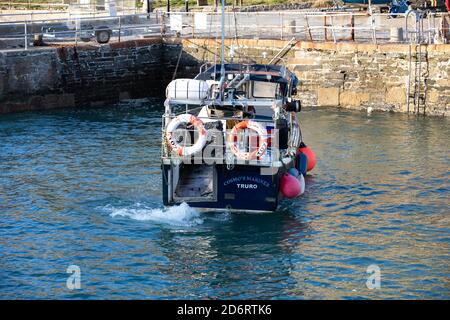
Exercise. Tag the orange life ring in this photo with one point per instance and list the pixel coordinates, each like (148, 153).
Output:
(175, 123)
(263, 142)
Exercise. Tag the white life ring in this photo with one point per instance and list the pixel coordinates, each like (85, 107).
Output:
(263, 142)
(175, 123)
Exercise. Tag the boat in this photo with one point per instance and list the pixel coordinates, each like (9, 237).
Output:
(231, 139)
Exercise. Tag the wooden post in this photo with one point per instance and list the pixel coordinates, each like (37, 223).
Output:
(309, 30)
(281, 24)
(352, 25)
(325, 27)
(120, 27)
(193, 25)
(332, 29)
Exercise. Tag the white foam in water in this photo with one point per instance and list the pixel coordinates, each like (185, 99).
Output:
(181, 215)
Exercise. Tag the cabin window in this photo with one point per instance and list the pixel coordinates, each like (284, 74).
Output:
(266, 90)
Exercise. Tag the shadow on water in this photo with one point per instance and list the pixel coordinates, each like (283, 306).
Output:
(83, 187)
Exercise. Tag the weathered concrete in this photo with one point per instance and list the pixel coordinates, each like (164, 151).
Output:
(348, 75)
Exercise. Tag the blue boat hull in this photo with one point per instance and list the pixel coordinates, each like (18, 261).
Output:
(244, 188)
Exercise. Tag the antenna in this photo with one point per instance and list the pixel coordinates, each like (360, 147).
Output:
(222, 70)
(222, 52)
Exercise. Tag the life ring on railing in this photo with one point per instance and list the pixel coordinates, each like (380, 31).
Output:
(263, 141)
(184, 119)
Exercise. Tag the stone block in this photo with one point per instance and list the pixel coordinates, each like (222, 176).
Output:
(353, 98)
(433, 96)
(396, 95)
(328, 97)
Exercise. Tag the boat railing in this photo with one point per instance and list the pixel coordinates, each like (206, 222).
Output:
(250, 148)
(205, 66)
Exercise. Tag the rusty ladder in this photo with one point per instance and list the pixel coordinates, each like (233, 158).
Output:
(417, 70)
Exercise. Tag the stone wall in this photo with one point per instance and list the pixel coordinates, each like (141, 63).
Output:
(361, 76)
(345, 75)
(348, 75)
(87, 75)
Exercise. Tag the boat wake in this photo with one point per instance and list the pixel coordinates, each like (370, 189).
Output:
(182, 215)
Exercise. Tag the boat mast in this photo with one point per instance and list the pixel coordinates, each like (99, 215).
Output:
(222, 52)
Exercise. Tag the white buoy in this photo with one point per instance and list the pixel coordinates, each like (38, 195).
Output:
(301, 179)
(369, 110)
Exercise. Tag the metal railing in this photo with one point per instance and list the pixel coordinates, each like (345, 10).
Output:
(75, 29)
(28, 4)
(310, 26)
(218, 144)
(69, 11)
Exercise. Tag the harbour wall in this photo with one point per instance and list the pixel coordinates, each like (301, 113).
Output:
(348, 75)
(86, 75)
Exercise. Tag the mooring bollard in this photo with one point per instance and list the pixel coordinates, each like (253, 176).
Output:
(396, 34)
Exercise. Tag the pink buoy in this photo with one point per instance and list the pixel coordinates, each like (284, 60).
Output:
(290, 186)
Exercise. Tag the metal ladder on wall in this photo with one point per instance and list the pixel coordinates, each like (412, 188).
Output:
(417, 68)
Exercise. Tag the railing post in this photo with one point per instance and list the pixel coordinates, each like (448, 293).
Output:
(374, 34)
(332, 29)
(193, 22)
(281, 25)
(309, 29)
(77, 21)
(430, 41)
(257, 23)
(352, 25)
(406, 26)
(120, 27)
(163, 24)
(26, 35)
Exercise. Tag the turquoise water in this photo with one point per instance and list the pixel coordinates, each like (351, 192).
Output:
(83, 187)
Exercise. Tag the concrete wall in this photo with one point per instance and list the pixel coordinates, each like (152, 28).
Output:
(348, 75)
(89, 75)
